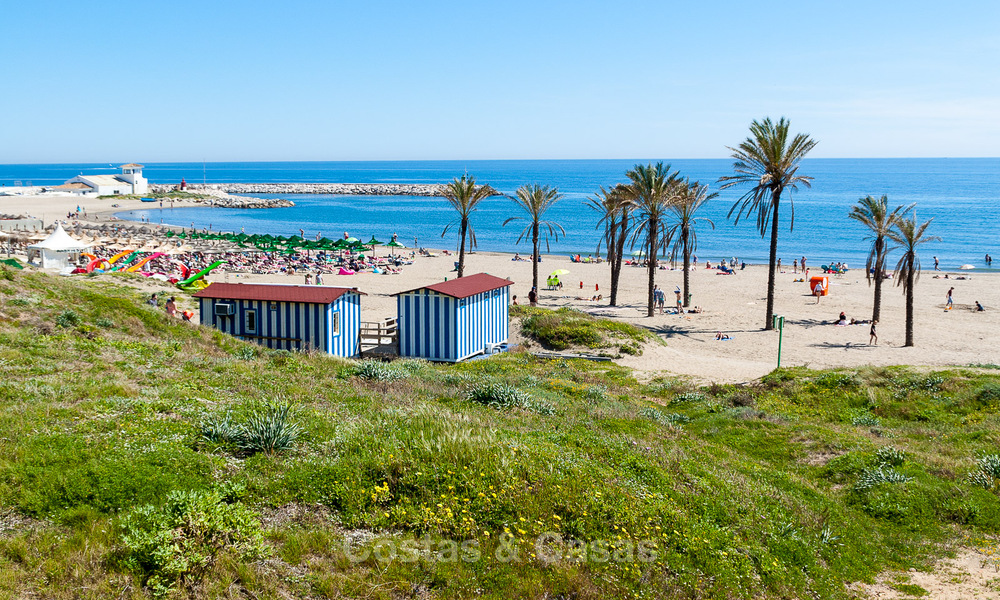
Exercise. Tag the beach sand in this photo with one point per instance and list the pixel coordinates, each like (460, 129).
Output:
(733, 304)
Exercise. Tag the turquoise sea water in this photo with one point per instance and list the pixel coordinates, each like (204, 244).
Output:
(962, 195)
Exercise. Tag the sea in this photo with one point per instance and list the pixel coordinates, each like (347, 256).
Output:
(961, 195)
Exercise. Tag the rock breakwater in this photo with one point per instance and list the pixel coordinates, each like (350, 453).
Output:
(347, 189)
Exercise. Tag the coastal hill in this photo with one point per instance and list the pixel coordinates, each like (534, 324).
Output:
(141, 455)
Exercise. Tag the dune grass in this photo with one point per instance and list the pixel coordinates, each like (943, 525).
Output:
(565, 328)
(506, 477)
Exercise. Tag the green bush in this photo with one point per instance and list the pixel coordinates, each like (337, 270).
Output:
(887, 455)
(499, 395)
(68, 318)
(876, 476)
(269, 430)
(866, 420)
(174, 544)
(221, 430)
(987, 472)
(376, 370)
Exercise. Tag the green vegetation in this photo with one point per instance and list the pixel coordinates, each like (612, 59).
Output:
(567, 327)
(121, 472)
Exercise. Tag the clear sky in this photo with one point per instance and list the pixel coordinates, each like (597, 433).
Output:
(222, 80)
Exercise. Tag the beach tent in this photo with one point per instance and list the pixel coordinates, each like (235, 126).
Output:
(58, 251)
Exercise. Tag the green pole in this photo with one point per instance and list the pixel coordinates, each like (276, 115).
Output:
(779, 324)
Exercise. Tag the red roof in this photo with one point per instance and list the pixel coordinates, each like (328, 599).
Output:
(313, 294)
(463, 287)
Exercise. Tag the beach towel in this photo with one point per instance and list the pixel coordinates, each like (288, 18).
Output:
(344, 271)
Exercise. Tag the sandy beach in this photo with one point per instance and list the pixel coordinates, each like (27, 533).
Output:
(732, 304)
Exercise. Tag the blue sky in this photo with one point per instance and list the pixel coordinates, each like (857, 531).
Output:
(382, 80)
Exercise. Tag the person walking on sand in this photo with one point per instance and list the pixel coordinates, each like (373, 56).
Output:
(533, 297)
(171, 307)
(873, 340)
(308, 278)
(818, 290)
(936, 263)
(802, 263)
(950, 305)
(319, 278)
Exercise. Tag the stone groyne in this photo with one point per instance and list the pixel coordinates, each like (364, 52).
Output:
(224, 199)
(347, 189)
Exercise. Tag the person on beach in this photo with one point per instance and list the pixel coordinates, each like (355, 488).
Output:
(513, 301)
(795, 265)
(308, 278)
(153, 301)
(779, 265)
(818, 290)
(802, 263)
(319, 278)
(171, 307)
(533, 297)
(950, 305)
(979, 307)
(873, 340)
(936, 263)
(658, 299)
(680, 304)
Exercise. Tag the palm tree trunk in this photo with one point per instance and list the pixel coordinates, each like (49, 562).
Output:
(534, 256)
(909, 303)
(461, 248)
(879, 268)
(687, 267)
(651, 267)
(772, 262)
(616, 271)
(612, 241)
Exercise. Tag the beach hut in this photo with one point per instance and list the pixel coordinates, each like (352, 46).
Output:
(57, 251)
(286, 317)
(453, 320)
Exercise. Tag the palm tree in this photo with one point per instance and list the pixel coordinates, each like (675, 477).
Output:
(693, 197)
(535, 200)
(615, 210)
(464, 196)
(653, 189)
(769, 162)
(908, 234)
(874, 214)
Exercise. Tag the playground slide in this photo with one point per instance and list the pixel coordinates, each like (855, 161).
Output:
(94, 264)
(185, 271)
(118, 256)
(125, 261)
(139, 264)
(190, 280)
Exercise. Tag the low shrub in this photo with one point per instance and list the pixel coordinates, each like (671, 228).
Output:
(376, 370)
(987, 472)
(503, 396)
(174, 544)
(663, 418)
(887, 455)
(866, 420)
(68, 318)
(875, 476)
(269, 430)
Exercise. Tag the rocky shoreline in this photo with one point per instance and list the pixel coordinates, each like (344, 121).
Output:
(346, 189)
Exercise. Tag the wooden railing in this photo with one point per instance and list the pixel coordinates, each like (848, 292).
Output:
(379, 333)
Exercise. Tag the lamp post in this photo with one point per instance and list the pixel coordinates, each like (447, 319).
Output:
(779, 323)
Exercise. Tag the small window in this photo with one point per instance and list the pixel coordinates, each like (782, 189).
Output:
(250, 321)
(496, 293)
(336, 323)
(274, 306)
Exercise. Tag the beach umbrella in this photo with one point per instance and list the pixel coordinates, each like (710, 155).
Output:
(967, 267)
(394, 244)
(558, 272)
(638, 253)
(351, 240)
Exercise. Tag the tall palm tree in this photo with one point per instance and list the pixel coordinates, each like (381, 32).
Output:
(464, 197)
(615, 209)
(909, 235)
(693, 197)
(653, 189)
(874, 214)
(535, 200)
(768, 161)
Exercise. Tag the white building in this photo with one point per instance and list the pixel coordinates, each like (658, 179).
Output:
(130, 181)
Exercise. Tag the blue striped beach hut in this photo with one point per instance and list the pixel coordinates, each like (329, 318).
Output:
(286, 317)
(454, 320)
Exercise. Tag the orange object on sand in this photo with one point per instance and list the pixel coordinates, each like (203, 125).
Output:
(825, 281)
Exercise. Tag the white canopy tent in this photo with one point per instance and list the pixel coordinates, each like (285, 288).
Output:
(58, 251)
